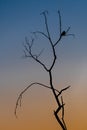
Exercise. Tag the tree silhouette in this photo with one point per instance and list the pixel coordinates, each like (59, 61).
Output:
(29, 54)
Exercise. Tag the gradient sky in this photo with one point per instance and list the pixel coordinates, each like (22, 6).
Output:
(17, 19)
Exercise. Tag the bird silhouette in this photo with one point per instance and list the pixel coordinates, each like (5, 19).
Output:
(63, 33)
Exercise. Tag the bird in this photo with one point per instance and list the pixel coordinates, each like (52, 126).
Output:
(63, 33)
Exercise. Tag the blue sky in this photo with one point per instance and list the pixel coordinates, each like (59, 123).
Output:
(20, 17)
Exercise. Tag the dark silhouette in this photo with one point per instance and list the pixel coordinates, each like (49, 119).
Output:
(29, 54)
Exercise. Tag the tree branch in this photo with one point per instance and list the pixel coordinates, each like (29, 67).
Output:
(18, 102)
(59, 21)
(45, 17)
(62, 33)
(28, 53)
(63, 113)
(60, 92)
(59, 121)
(39, 32)
(46, 24)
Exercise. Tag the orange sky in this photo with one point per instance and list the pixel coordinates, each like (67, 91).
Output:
(37, 110)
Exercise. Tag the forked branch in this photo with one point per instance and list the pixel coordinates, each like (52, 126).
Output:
(28, 53)
(60, 92)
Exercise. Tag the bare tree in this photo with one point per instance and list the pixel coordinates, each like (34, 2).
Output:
(29, 54)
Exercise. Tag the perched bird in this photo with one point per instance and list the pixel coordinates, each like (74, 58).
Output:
(63, 33)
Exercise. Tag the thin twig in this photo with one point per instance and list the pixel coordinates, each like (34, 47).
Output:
(60, 92)
(46, 24)
(60, 26)
(45, 17)
(41, 33)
